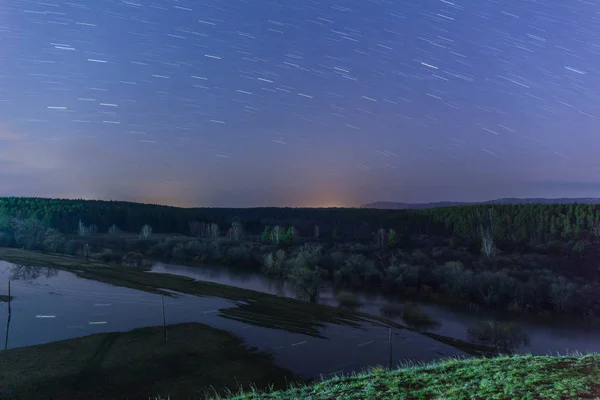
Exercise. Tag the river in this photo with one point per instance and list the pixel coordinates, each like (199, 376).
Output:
(51, 305)
(544, 335)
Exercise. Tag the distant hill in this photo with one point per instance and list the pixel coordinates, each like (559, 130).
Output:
(391, 205)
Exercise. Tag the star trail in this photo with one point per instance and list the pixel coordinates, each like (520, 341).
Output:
(299, 103)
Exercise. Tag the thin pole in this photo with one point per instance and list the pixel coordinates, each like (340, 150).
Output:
(8, 322)
(390, 340)
(162, 300)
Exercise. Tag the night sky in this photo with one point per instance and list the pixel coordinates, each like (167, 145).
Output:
(299, 102)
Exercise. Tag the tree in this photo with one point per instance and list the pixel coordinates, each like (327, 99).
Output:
(29, 233)
(266, 234)
(114, 230)
(275, 264)
(487, 242)
(316, 232)
(392, 239)
(306, 276)
(82, 230)
(213, 231)
(92, 229)
(236, 232)
(86, 251)
(335, 233)
(54, 241)
(146, 231)
(381, 236)
(308, 282)
(195, 228)
(276, 235)
(290, 235)
(579, 248)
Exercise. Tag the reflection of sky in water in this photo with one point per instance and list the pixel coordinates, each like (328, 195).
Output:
(63, 306)
(75, 302)
(561, 335)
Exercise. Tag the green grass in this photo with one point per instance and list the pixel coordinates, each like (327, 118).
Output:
(196, 361)
(256, 308)
(502, 378)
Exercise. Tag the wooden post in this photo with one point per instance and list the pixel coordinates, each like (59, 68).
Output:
(8, 322)
(390, 340)
(162, 300)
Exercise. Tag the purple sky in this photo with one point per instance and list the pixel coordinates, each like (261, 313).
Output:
(299, 103)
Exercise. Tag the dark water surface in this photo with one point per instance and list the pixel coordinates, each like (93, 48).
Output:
(545, 335)
(51, 305)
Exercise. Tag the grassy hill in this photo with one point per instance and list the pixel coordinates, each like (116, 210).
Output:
(505, 377)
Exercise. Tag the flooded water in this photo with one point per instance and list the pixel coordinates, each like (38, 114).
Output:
(544, 336)
(51, 305)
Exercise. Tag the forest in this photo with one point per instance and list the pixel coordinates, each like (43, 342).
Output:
(540, 258)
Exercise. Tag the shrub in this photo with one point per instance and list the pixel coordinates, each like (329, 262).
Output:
(132, 259)
(416, 318)
(391, 310)
(238, 255)
(348, 299)
(72, 247)
(107, 256)
(178, 252)
(54, 241)
(196, 248)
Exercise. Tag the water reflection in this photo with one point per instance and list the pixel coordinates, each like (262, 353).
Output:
(58, 305)
(505, 337)
(416, 318)
(556, 335)
(29, 273)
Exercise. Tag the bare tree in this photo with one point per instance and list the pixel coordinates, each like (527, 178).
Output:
(114, 230)
(146, 232)
(487, 242)
(236, 232)
(487, 239)
(82, 230)
(381, 236)
(202, 230)
(87, 251)
(92, 229)
(317, 232)
(277, 234)
(212, 231)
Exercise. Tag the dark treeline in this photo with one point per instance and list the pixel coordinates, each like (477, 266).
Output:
(532, 257)
(527, 223)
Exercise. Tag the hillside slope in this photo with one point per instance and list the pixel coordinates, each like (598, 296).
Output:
(506, 377)
(393, 205)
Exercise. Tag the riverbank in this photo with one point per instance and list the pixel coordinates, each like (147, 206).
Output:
(506, 377)
(195, 361)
